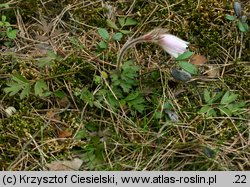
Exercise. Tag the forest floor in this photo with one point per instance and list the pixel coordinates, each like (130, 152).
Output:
(62, 99)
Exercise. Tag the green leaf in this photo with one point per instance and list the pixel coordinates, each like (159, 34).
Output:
(127, 21)
(158, 115)
(139, 107)
(6, 24)
(13, 88)
(225, 98)
(126, 79)
(59, 94)
(190, 68)
(117, 36)
(47, 93)
(48, 60)
(132, 96)
(97, 79)
(243, 26)
(91, 126)
(8, 43)
(81, 134)
(103, 45)
(126, 86)
(205, 109)
(52, 55)
(87, 96)
(112, 101)
(18, 83)
(40, 88)
(228, 98)
(97, 104)
(103, 33)
(121, 21)
(125, 31)
(214, 98)
(168, 105)
(20, 79)
(229, 17)
(184, 56)
(130, 68)
(26, 91)
(3, 18)
(236, 106)
(11, 33)
(225, 110)
(136, 101)
(206, 96)
(130, 22)
(111, 24)
(211, 113)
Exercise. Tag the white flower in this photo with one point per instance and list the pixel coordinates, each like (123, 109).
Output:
(172, 44)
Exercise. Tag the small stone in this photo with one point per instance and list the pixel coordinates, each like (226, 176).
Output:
(208, 152)
(181, 75)
(237, 9)
(172, 115)
(10, 111)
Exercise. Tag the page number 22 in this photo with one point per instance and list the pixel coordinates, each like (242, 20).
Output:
(240, 179)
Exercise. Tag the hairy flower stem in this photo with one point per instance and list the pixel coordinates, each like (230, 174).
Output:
(126, 46)
(152, 36)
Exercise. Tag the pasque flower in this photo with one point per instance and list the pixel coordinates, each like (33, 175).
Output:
(172, 44)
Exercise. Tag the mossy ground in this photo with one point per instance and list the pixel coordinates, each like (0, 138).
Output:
(108, 138)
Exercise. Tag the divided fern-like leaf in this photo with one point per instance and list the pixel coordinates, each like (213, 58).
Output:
(126, 79)
(18, 83)
(40, 88)
(136, 101)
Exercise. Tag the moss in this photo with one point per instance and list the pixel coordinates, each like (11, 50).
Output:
(29, 9)
(91, 16)
(15, 131)
(238, 74)
(83, 74)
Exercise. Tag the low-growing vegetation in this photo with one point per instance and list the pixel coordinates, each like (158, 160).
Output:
(62, 96)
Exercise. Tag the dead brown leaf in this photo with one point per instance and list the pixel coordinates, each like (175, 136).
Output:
(67, 165)
(198, 60)
(64, 134)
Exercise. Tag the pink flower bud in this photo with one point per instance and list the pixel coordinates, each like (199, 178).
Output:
(173, 45)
